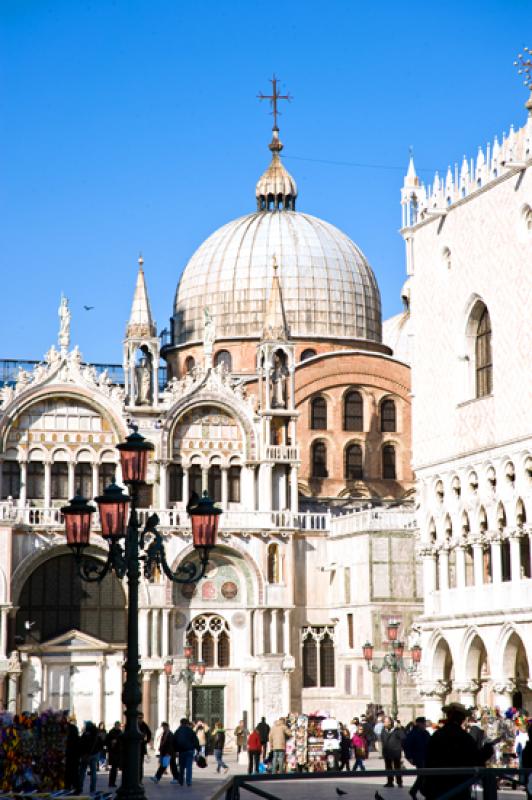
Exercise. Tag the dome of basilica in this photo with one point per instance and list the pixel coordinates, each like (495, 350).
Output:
(329, 290)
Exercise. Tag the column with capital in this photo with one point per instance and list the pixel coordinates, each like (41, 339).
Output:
(48, 484)
(265, 487)
(225, 493)
(155, 614)
(496, 561)
(4, 616)
(72, 490)
(478, 563)
(186, 491)
(162, 697)
(259, 631)
(143, 632)
(286, 632)
(95, 479)
(444, 569)
(146, 696)
(23, 483)
(163, 484)
(204, 479)
(460, 567)
(294, 498)
(165, 633)
(515, 557)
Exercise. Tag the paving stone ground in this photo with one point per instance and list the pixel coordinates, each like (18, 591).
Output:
(206, 784)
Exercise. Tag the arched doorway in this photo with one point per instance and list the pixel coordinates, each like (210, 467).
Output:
(516, 672)
(71, 636)
(477, 673)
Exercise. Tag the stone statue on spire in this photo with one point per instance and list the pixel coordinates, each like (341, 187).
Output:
(64, 325)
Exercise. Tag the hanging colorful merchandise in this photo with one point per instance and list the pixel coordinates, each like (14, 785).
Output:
(32, 751)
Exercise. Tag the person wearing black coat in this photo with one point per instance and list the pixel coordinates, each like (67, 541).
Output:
(90, 747)
(392, 738)
(72, 757)
(264, 732)
(415, 746)
(113, 745)
(146, 739)
(526, 761)
(451, 746)
(186, 745)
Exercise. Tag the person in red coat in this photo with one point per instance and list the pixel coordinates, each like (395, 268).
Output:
(254, 751)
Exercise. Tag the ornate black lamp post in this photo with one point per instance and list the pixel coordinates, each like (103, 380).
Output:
(192, 673)
(393, 660)
(125, 560)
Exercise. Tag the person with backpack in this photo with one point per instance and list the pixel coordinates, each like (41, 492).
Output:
(186, 746)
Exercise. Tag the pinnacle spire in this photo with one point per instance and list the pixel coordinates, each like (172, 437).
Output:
(275, 325)
(140, 323)
(411, 178)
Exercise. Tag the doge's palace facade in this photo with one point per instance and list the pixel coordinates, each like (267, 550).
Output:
(282, 400)
(469, 250)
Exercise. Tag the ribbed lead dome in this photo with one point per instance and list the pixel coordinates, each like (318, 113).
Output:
(328, 287)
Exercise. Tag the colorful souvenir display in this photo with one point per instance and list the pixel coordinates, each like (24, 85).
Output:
(32, 751)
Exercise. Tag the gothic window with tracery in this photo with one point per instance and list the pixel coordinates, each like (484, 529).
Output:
(209, 637)
(483, 355)
(318, 656)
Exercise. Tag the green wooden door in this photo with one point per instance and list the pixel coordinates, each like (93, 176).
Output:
(208, 704)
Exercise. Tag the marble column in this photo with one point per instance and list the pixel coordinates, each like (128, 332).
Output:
(294, 497)
(48, 484)
(247, 488)
(429, 571)
(23, 483)
(249, 698)
(71, 479)
(204, 479)
(162, 697)
(259, 631)
(155, 632)
(12, 692)
(286, 632)
(95, 479)
(444, 570)
(281, 477)
(496, 562)
(143, 632)
(515, 558)
(4, 616)
(273, 631)
(146, 698)
(163, 483)
(186, 491)
(460, 567)
(478, 564)
(225, 492)
(265, 487)
(165, 643)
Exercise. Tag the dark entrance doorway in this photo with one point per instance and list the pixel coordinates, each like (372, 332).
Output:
(208, 704)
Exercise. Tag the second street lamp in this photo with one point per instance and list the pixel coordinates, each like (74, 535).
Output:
(124, 560)
(393, 660)
(192, 673)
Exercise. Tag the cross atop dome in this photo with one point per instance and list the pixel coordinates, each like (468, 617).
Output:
(276, 189)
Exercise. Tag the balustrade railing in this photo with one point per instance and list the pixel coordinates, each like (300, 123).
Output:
(373, 519)
(282, 452)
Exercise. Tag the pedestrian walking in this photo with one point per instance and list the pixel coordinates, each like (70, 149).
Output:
(146, 739)
(360, 747)
(202, 732)
(240, 735)
(72, 756)
(90, 745)
(415, 748)
(254, 748)
(392, 737)
(264, 732)
(218, 746)
(451, 746)
(345, 751)
(186, 746)
(113, 744)
(166, 755)
(277, 741)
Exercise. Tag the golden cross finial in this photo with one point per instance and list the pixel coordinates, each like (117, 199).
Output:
(140, 260)
(274, 97)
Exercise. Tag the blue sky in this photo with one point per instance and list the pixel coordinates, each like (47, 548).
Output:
(134, 125)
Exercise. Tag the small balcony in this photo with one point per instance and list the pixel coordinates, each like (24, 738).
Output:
(282, 453)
